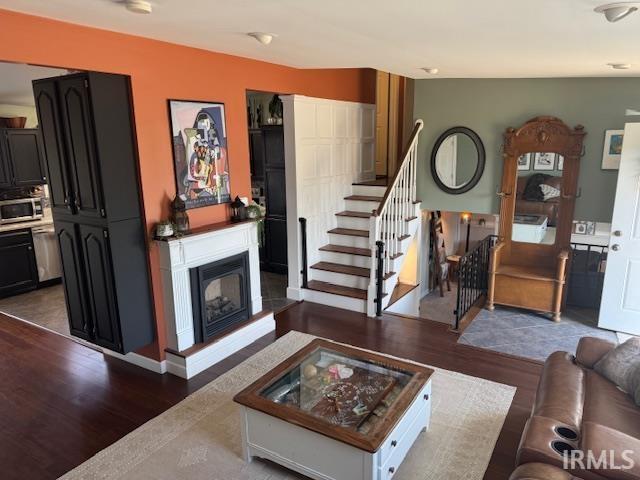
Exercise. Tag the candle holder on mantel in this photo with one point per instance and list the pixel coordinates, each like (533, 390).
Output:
(180, 216)
(238, 210)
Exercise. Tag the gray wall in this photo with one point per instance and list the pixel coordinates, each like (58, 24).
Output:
(489, 106)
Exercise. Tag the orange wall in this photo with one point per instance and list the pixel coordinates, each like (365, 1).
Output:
(160, 71)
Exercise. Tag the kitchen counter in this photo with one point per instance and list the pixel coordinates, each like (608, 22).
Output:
(43, 222)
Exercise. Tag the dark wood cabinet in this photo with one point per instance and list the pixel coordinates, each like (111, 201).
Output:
(267, 167)
(94, 241)
(19, 272)
(80, 146)
(73, 279)
(256, 154)
(50, 125)
(91, 159)
(21, 159)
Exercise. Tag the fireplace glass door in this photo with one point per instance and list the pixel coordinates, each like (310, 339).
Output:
(220, 293)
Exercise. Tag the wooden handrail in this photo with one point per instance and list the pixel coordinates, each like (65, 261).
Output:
(405, 156)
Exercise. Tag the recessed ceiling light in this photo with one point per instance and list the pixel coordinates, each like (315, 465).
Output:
(430, 70)
(262, 37)
(620, 66)
(617, 11)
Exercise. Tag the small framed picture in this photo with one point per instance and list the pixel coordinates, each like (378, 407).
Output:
(560, 162)
(612, 149)
(580, 227)
(524, 162)
(544, 161)
(591, 228)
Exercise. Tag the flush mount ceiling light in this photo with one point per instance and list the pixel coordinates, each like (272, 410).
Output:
(263, 38)
(620, 66)
(138, 6)
(430, 70)
(614, 12)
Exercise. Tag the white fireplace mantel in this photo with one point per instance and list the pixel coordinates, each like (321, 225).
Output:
(179, 255)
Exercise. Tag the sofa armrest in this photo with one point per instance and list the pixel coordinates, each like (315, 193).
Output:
(592, 349)
(540, 471)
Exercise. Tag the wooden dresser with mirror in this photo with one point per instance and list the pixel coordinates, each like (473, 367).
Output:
(528, 266)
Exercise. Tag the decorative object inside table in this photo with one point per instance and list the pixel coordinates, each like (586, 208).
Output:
(342, 392)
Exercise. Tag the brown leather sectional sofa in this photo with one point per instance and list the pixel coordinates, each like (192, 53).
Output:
(578, 410)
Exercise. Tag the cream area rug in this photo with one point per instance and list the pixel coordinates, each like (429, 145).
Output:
(199, 438)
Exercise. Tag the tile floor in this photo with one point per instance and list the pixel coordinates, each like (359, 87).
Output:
(532, 335)
(274, 291)
(44, 307)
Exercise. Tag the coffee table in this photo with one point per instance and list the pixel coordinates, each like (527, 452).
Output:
(336, 412)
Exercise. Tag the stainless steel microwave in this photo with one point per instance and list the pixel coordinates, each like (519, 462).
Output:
(20, 210)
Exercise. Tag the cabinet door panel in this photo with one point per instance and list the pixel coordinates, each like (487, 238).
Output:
(274, 146)
(6, 176)
(276, 193)
(73, 279)
(18, 272)
(100, 286)
(256, 154)
(52, 143)
(276, 244)
(78, 128)
(26, 157)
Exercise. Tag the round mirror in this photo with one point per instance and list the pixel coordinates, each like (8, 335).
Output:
(457, 160)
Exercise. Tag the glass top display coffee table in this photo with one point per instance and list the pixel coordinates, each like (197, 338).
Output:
(335, 412)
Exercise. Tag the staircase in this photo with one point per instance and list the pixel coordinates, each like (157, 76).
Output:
(378, 211)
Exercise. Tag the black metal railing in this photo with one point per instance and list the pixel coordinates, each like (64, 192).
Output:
(305, 265)
(586, 274)
(379, 276)
(473, 277)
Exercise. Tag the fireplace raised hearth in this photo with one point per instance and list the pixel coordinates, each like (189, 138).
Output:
(220, 296)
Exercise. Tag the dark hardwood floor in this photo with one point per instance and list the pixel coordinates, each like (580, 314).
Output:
(62, 402)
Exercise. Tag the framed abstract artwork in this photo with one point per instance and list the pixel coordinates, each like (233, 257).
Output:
(200, 156)
(612, 149)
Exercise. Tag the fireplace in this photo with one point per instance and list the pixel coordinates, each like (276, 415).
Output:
(220, 294)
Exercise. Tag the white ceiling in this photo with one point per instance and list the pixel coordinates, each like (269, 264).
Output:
(463, 38)
(15, 83)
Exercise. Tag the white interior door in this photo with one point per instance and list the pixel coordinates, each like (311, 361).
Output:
(620, 308)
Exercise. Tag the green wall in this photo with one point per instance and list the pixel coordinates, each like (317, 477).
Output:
(489, 106)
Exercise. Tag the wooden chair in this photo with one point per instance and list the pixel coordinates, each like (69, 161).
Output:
(533, 275)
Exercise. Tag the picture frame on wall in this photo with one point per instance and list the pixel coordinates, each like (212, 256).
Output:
(560, 165)
(524, 162)
(612, 150)
(200, 155)
(544, 161)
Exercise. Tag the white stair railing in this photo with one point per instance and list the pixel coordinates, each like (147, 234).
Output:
(389, 223)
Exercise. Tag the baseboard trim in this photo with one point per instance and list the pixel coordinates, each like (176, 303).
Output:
(295, 294)
(139, 360)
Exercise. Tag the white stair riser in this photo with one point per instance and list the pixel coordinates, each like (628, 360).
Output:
(349, 240)
(353, 222)
(346, 259)
(338, 301)
(360, 206)
(368, 190)
(351, 281)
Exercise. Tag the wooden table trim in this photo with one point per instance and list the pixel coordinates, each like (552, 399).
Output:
(249, 397)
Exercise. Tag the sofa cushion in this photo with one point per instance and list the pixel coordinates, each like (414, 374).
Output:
(560, 393)
(622, 366)
(609, 406)
(591, 350)
(540, 471)
(618, 454)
